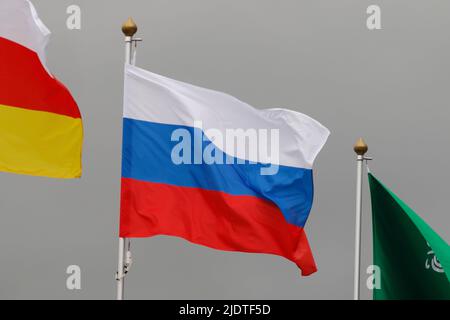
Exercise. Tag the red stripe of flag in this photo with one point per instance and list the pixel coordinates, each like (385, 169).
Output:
(25, 83)
(212, 218)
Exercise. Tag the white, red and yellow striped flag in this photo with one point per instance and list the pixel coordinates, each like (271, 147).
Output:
(41, 130)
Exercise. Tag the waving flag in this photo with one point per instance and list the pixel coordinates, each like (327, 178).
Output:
(40, 124)
(414, 260)
(202, 165)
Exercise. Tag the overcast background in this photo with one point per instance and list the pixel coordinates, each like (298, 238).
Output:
(390, 86)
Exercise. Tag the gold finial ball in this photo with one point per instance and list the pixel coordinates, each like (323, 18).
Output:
(129, 28)
(360, 147)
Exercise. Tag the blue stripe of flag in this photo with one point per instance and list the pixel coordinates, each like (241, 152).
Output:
(147, 149)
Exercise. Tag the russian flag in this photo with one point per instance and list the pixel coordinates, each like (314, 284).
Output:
(202, 165)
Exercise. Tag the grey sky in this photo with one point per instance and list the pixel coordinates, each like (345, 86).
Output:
(390, 86)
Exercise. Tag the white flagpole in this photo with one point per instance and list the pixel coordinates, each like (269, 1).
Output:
(360, 149)
(120, 269)
(129, 29)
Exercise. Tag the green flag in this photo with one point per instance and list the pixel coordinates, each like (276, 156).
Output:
(414, 261)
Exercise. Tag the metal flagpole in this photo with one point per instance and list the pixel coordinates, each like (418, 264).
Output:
(360, 149)
(129, 29)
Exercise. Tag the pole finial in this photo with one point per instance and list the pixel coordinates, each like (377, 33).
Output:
(129, 28)
(360, 147)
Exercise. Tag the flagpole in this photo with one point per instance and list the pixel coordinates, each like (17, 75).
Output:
(129, 29)
(360, 149)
